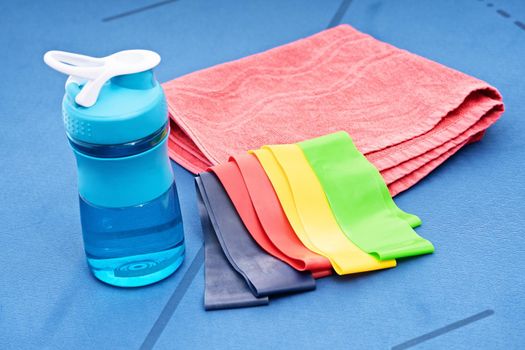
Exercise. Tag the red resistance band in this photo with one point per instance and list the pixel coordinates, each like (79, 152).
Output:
(254, 199)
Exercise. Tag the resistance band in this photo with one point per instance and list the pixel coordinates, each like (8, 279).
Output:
(306, 207)
(274, 221)
(264, 274)
(360, 200)
(231, 178)
(224, 287)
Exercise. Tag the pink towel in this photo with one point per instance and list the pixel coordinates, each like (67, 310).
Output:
(405, 113)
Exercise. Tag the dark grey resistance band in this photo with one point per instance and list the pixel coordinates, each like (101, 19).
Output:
(224, 287)
(264, 274)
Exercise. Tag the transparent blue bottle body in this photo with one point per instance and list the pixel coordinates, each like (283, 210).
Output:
(135, 245)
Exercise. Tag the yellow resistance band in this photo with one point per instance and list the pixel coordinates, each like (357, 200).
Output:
(305, 204)
(280, 185)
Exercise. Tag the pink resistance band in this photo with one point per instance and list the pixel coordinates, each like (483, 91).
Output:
(231, 178)
(273, 219)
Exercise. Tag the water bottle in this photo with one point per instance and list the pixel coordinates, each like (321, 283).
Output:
(116, 121)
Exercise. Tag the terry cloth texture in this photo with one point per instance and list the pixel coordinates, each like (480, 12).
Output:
(407, 114)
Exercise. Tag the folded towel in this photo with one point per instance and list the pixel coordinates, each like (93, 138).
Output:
(405, 113)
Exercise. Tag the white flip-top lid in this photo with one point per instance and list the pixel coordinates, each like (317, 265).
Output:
(93, 72)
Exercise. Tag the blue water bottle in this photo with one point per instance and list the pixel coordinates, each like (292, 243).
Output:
(116, 121)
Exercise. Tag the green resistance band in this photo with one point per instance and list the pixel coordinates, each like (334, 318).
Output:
(360, 199)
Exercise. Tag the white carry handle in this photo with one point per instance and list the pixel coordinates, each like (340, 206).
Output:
(94, 71)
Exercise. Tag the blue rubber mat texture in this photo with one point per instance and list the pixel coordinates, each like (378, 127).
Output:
(469, 294)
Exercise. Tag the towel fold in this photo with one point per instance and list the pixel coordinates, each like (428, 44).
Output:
(407, 114)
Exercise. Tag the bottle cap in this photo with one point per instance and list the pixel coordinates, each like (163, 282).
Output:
(113, 99)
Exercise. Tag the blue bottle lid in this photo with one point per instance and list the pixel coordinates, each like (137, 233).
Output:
(113, 100)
